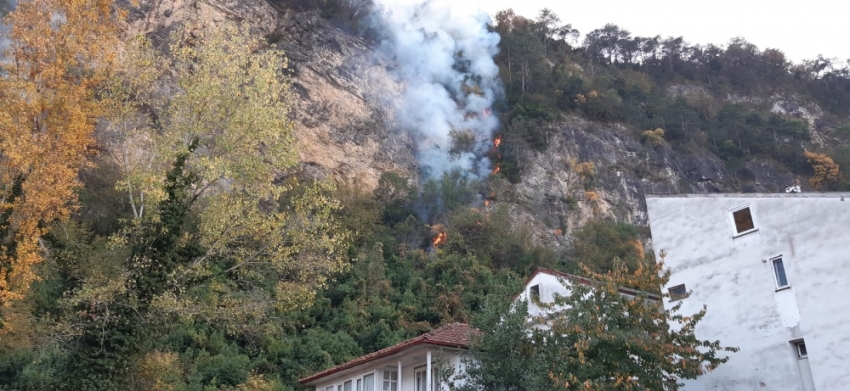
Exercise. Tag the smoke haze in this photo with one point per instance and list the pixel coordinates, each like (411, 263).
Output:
(446, 62)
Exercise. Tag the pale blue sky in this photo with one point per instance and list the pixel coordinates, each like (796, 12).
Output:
(802, 29)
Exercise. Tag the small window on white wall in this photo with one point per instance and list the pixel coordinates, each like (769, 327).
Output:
(390, 380)
(678, 292)
(801, 349)
(779, 273)
(743, 218)
(369, 382)
(534, 292)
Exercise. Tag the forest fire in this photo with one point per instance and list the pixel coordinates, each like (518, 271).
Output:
(486, 202)
(486, 113)
(438, 235)
(495, 170)
(496, 142)
(440, 239)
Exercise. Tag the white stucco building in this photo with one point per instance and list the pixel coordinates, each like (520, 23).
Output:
(415, 364)
(545, 283)
(774, 271)
(411, 365)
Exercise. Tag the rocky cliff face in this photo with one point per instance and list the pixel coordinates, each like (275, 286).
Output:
(346, 127)
(345, 109)
(344, 94)
(556, 195)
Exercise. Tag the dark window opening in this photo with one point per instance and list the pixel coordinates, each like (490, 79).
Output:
(535, 293)
(678, 292)
(743, 220)
(779, 272)
(801, 349)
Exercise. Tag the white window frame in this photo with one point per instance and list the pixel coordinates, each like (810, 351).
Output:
(752, 216)
(435, 382)
(772, 261)
(677, 298)
(375, 382)
(797, 343)
(389, 380)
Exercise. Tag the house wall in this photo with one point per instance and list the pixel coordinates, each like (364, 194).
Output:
(411, 360)
(549, 286)
(734, 277)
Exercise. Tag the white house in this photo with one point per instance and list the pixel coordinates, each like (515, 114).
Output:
(411, 365)
(544, 283)
(774, 271)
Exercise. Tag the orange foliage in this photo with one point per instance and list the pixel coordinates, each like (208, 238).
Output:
(826, 170)
(639, 250)
(59, 53)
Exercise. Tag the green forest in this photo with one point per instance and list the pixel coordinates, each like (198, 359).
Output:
(169, 242)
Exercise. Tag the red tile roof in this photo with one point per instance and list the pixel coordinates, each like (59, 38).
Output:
(455, 335)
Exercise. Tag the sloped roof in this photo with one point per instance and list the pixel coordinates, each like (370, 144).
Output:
(455, 335)
(584, 281)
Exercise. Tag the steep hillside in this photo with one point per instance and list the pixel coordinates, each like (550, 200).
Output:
(433, 164)
(348, 129)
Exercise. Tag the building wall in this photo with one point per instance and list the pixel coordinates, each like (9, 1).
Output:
(411, 361)
(734, 277)
(549, 285)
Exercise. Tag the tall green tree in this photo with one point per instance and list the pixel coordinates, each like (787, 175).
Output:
(222, 233)
(595, 339)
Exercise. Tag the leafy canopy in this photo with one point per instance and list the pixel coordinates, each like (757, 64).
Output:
(594, 339)
(60, 52)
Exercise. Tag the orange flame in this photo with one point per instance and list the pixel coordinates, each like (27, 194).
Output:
(496, 142)
(495, 170)
(440, 239)
(486, 202)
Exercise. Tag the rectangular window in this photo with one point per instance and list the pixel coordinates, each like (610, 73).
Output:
(331, 388)
(801, 349)
(390, 380)
(779, 273)
(678, 292)
(369, 382)
(421, 380)
(534, 292)
(346, 386)
(359, 385)
(743, 220)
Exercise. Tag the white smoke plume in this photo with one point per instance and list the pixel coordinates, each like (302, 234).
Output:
(446, 62)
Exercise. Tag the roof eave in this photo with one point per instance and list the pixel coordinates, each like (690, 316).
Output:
(310, 380)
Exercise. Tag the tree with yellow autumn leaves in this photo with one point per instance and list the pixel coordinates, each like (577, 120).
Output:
(61, 51)
(220, 228)
(826, 171)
